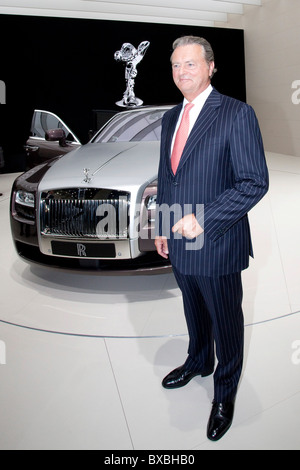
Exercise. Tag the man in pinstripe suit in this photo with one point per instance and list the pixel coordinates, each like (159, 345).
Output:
(202, 222)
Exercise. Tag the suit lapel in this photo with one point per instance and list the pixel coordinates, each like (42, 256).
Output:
(204, 121)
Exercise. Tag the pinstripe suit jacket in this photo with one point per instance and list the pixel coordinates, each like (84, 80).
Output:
(222, 171)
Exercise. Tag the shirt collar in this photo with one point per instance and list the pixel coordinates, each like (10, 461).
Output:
(200, 99)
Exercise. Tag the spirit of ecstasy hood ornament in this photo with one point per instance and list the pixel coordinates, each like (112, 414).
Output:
(87, 178)
(131, 58)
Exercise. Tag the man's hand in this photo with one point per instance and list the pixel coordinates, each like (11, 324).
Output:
(188, 227)
(161, 244)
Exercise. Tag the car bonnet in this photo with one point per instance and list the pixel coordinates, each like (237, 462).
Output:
(118, 165)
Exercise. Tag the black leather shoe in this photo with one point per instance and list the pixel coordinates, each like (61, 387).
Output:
(181, 376)
(220, 420)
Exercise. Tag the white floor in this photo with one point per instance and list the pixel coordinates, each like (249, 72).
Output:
(83, 356)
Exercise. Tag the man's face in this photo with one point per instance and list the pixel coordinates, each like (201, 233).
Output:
(191, 73)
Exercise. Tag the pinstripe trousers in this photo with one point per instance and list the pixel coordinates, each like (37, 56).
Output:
(215, 322)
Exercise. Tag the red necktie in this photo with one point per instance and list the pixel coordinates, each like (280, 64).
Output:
(181, 137)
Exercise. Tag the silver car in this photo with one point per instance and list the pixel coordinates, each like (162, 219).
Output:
(94, 207)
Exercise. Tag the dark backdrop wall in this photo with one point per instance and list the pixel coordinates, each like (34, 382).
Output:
(67, 66)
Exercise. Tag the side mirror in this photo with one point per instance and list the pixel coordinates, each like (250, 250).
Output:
(59, 135)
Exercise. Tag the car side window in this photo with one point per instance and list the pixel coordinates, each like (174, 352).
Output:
(43, 121)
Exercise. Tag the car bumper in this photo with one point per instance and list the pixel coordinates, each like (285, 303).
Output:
(26, 240)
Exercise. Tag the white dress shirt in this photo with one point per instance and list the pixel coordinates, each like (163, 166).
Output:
(194, 112)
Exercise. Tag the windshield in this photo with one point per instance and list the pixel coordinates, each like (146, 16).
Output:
(133, 126)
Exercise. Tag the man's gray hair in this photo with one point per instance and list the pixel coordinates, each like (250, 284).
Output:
(206, 46)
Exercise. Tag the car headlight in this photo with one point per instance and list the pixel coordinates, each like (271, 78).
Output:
(24, 198)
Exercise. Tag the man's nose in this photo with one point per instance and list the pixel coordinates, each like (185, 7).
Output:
(183, 70)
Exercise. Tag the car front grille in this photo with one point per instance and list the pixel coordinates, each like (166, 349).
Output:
(89, 213)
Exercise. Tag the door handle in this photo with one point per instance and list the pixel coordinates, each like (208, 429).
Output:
(31, 148)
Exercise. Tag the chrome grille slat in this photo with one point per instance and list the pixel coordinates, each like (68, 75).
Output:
(79, 215)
